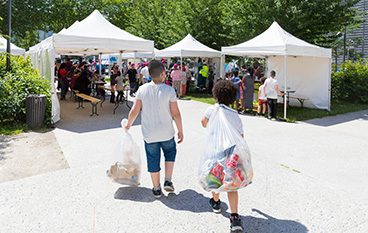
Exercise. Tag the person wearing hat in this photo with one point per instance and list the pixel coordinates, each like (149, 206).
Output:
(144, 74)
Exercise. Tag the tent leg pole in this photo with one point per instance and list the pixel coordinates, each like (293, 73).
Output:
(285, 86)
(100, 66)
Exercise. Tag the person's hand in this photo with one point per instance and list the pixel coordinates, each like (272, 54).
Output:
(127, 127)
(180, 137)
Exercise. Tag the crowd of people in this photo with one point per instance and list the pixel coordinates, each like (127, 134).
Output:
(81, 75)
(243, 79)
(75, 76)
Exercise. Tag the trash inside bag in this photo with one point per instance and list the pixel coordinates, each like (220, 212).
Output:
(127, 169)
(226, 164)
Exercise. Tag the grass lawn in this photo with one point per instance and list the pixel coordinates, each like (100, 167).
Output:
(295, 113)
(12, 129)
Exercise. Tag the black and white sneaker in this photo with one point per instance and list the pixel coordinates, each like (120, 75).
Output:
(157, 192)
(215, 205)
(235, 224)
(168, 186)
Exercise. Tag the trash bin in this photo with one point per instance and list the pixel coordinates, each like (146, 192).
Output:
(35, 110)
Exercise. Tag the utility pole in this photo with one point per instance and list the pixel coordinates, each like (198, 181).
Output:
(8, 50)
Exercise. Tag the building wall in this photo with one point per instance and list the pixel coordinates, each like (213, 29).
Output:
(361, 33)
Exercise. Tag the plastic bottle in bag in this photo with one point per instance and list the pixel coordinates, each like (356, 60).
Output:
(127, 169)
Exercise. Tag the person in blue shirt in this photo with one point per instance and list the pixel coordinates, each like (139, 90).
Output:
(237, 82)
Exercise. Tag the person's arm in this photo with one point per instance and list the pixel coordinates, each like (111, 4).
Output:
(277, 88)
(134, 112)
(175, 113)
(204, 122)
(265, 89)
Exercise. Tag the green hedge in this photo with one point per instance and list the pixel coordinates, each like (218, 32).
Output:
(351, 82)
(15, 85)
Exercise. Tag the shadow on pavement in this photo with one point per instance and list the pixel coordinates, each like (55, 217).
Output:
(269, 224)
(339, 119)
(80, 121)
(4, 143)
(186, 200)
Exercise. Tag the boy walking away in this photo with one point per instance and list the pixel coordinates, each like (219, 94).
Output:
(262, 100)
(272, 89)
(227, 167)
(158, 104)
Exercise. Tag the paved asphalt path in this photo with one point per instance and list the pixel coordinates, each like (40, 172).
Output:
(309, 177)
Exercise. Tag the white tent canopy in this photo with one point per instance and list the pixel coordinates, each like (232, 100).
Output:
(188, 47)
(14, 50)
(93, 35)
(276, 41)
(300, 66)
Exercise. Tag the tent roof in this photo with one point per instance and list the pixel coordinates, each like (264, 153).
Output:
(140, 54)
(94, 35)
(188, 47)
(15, 50)
(276, 41)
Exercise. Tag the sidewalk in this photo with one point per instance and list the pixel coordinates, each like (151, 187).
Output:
(311, 181)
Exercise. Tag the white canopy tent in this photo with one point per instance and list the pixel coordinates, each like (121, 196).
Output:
(301, 67)
(14, 50)
(188, 47)
(93, 35)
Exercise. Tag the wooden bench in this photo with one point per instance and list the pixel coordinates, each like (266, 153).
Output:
(91, 99)
(301, 99)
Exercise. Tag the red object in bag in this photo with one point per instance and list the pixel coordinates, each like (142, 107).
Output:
(218, 171)
(238, 174)
(233, 161)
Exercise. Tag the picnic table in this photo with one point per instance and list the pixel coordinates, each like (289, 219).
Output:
(121, 98)
(95, 86)
(301, 99)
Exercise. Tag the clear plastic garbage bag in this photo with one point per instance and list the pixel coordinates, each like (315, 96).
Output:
(127, 169)
(226, 163)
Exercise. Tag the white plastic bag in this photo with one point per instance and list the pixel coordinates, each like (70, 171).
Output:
(127, 169)
(226, 164)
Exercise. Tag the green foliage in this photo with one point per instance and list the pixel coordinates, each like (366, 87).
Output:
(215, 23)
(15, 85)
(351, 82)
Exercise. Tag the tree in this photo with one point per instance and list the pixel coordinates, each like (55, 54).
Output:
(314, 21)
(27, 18)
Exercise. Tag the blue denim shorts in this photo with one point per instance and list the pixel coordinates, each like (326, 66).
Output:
(153, 153)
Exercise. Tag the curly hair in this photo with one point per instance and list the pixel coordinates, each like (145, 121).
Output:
(224, 92)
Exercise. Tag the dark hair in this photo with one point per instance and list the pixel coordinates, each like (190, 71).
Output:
(273, 73)
(155, 68)
(224, 92)
(236, 73)
(263, 79)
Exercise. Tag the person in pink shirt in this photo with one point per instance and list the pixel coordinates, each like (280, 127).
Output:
(176, 76)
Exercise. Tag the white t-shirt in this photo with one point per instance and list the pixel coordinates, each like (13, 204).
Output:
(270, 89)
(262, 95)
(231, 115)
(156, 118)
(145, 73)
